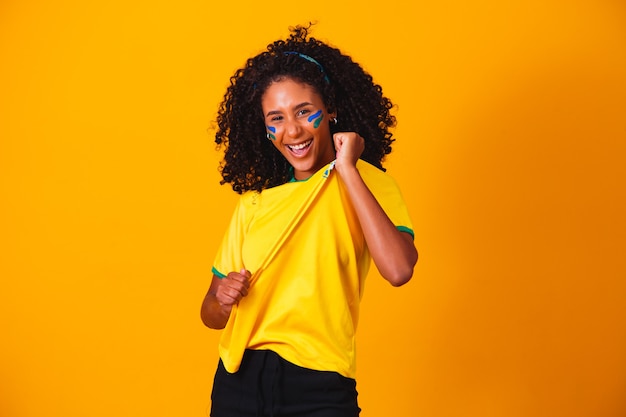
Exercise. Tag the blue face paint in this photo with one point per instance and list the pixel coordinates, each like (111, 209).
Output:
(318, 117)
(271, 130)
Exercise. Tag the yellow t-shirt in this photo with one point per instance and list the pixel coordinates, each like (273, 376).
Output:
(303, 244)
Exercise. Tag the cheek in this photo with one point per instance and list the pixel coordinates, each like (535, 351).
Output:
(271, 131)
(316, 119)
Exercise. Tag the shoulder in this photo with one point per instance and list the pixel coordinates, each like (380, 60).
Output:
(246, 205)
(374, 176)
(249, 199)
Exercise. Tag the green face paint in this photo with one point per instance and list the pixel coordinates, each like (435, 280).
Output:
(316, 118)
(271, 130)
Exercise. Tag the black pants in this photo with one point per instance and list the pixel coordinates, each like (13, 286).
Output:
(266, 385)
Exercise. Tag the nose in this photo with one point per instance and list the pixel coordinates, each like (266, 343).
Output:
(293, 129)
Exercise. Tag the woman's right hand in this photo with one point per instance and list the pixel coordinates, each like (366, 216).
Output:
(223, 294)
(232, 288)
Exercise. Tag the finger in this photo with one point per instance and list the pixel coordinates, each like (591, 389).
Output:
(237, 285)
(237, 282)
(236, 292)
(242, 281)
(224, 299)
(246, 274)
(242, 290)
(238, 276)
(338, 139)
(229, 296)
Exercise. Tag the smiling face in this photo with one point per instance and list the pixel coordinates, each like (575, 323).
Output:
(297, 122)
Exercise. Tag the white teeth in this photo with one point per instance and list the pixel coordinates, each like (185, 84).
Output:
(300, 146)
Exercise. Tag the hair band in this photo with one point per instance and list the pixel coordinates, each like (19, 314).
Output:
(310, 59)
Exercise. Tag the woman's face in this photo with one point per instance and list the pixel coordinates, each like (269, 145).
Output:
(297, 123)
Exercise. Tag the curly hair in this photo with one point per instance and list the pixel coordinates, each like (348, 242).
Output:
(251, 162)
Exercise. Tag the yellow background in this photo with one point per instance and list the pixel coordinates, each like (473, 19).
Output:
(511, 154)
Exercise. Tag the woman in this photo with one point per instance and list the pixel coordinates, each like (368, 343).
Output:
(305, 131)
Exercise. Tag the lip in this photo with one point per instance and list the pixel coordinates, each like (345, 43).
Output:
(300, 149)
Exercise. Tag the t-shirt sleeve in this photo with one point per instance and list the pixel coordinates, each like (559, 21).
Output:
(229, 255)
(388, 195)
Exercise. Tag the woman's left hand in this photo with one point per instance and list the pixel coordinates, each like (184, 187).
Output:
(348, 146)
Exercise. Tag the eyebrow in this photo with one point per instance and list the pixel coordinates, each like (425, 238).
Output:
(299, 106)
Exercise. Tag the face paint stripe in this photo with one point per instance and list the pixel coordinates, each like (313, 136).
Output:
(314, 116)
(318, 121)
(271, 129)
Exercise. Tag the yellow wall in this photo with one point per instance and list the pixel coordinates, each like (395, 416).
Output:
(511, 148)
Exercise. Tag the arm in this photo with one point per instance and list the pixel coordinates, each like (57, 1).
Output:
(223, 293)
(393, 251)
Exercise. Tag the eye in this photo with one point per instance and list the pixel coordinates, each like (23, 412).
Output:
(303, 112)
(276, 118)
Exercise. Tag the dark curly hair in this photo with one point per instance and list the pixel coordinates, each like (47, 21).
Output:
(251, 162)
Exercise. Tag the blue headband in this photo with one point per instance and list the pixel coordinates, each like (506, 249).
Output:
(308, 58)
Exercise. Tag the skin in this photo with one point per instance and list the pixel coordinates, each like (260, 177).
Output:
(292, 111)
(288, 107)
